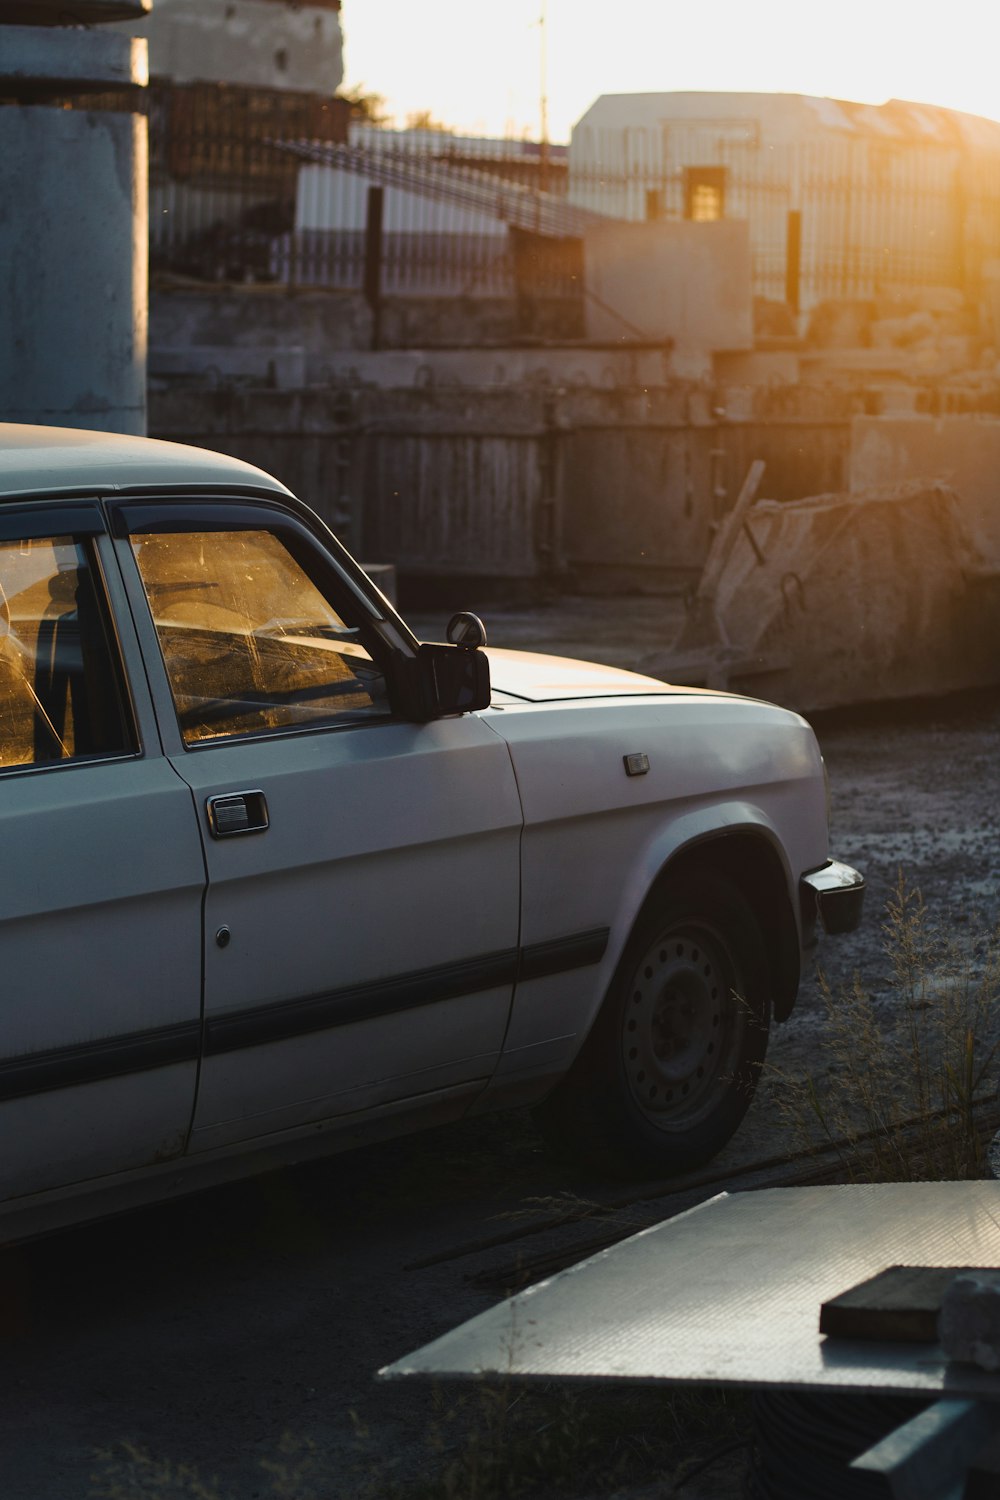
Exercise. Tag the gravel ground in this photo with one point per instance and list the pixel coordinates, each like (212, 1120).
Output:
(225, 1346)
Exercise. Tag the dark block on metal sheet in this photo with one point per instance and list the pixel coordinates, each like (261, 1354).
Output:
(901, 1302)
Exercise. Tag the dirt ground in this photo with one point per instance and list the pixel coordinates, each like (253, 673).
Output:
(226, 1346)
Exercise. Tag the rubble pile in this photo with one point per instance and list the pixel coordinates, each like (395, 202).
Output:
(934, 326)
(844, 598)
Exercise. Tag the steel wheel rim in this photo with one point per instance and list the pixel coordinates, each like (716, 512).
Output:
(682, 1028)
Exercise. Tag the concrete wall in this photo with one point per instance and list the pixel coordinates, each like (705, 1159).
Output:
(259, 317)
(609, 489)
(686, 282)
(960, 451)
(73, 236)
(637, 502)
(253, 42)
(804, 456)
(330, 325)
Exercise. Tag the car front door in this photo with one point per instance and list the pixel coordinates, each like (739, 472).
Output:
(103, 874)
(362, 910)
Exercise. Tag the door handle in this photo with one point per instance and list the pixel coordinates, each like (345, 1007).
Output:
(230, 813)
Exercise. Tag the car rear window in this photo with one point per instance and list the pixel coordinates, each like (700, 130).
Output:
(60, 686)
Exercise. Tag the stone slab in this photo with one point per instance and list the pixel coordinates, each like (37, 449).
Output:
(32, 55)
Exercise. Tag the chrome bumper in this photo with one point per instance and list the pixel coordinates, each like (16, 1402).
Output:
(836, 894)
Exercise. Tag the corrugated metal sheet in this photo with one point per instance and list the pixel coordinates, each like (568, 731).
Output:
(730, 1293)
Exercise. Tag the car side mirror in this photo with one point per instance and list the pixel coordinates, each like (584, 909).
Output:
(441, 680)
(466, 629)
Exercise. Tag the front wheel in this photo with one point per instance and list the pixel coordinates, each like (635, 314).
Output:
(671, 1064)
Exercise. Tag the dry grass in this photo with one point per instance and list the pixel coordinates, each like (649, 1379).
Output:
(910, 1073)
(127, 1471)
(494, 1442)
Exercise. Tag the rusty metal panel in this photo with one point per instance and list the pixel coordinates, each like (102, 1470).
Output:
(454, 502)
(730, 1293)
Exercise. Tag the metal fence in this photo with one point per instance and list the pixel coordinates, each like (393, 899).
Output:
(836, 217)
(830, 217)
(227, 203)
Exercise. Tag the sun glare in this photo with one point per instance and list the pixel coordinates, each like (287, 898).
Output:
(480, 68)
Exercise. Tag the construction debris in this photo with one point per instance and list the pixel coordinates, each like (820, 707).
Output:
(841, 599)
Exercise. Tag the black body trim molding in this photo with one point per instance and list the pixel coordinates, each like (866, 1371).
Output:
(560, 955)
(139, 1051)
(89, 1062)
(359, 1002)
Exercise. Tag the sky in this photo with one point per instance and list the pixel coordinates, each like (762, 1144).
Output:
(478, 66)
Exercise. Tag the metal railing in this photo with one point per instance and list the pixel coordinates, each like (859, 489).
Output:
(269, 187)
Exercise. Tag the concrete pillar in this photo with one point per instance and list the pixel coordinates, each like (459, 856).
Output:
(73, 221)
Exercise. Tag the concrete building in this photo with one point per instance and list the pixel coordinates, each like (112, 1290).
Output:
(841, 198)
(256, 44)
(227, 76)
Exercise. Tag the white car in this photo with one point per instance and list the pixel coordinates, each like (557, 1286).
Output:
(279, 878)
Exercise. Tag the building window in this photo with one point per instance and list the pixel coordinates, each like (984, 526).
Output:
(704, 193)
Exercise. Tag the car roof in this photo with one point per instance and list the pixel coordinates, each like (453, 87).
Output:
(38, 461)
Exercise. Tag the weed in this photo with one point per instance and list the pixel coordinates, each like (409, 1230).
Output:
(295, 1470)
(504, 1441)
(910, 1071)
(496, 1441)
(127, 1471)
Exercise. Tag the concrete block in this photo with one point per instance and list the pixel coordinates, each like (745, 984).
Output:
(281, 369)
(897, 300)
(77, 57)
(946, 356)
(686, 282)
(542, 368)
(898, 399)
(735, 403)
(902, 333)
(961, 451)
(259, 317)
(757, 367)
(969, 1321)
(854, 364)
(840, 323)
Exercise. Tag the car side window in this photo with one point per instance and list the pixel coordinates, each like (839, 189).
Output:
(250, 642)
(61, 693)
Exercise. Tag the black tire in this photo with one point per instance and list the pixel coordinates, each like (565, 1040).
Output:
(670, 1067)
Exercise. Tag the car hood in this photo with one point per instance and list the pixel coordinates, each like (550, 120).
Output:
(535, 678)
